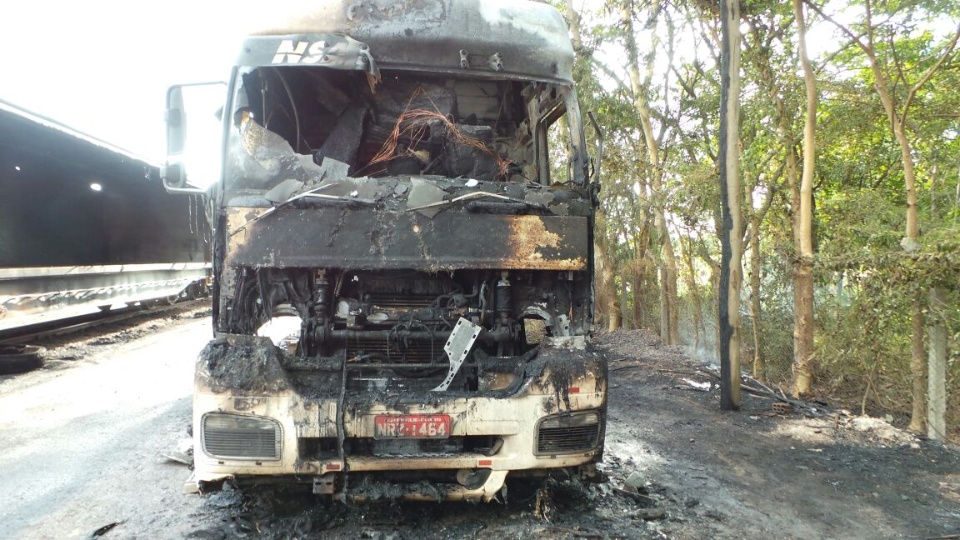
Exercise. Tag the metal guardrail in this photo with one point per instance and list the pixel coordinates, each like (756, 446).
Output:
(69, 325)
(33, 295)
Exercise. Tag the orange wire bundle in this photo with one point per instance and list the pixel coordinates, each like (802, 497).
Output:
(411, 123)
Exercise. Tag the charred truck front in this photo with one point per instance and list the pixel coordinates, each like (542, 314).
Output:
(403, 255)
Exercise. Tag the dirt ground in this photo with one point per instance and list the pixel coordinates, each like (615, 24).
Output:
(677, 467)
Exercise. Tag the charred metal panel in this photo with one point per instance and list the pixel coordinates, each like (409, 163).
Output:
(369, 239)
(505, 37)
(564, 362)
(247, 364)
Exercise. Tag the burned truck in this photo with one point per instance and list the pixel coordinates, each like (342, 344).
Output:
(403, 260)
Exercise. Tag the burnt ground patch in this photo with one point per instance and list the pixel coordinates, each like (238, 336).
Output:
(675, 467)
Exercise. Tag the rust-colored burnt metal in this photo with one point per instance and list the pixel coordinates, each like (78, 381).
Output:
(370, 239)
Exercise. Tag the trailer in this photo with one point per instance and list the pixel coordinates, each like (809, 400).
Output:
(85, 225)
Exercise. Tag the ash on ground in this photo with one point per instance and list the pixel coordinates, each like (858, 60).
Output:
(675, 466)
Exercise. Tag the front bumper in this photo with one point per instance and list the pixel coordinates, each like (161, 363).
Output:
(546, 403)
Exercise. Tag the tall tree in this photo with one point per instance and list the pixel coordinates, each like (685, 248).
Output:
(888, 79)
(803, 350)
(731, 232)
(640, 87)
(772, 54)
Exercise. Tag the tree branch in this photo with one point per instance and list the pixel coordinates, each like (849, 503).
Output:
(853, 37)
(947, 53)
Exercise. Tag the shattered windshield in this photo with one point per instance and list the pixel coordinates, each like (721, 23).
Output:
(294, 127)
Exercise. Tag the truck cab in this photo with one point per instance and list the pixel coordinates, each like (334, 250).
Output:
(403, 255)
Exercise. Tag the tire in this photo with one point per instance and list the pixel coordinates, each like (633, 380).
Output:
(19, 358)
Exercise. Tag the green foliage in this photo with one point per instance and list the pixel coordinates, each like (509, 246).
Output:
(865, 280)
(856, 224)
(864, 346)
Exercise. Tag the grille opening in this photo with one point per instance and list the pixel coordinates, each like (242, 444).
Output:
(568, 434)
(413, 352)
(231, 436)
(417, 366)
(471, 444)
(404, 447)
(311, 448)
(399, 380)
(408, 301)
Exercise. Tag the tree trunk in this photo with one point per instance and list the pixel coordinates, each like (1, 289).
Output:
(643, 277)
(669, 303)
(759, 369)
(803, 331)
(803, 345)
(608, 298)
(910, 243)
(636, 286)
(791, 169)
(732, 230)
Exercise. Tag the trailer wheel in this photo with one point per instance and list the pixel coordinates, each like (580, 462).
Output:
(19, 358)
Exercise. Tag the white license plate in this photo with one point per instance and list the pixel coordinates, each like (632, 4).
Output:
(411, 426)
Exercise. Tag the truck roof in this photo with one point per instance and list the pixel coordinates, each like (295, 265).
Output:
(505, 38)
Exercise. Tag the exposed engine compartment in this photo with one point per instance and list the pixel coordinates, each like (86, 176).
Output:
(389, 327)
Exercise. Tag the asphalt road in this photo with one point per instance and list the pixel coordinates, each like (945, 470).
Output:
(83, 441)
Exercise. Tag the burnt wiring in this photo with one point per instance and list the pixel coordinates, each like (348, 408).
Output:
(454, 299)
(258, 292)
(396, 334)
(414, 125)
(243, 317)
(417, 121)
(484, 302)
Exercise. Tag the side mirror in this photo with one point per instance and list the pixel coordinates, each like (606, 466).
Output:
(174, 180)
(194, 133)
